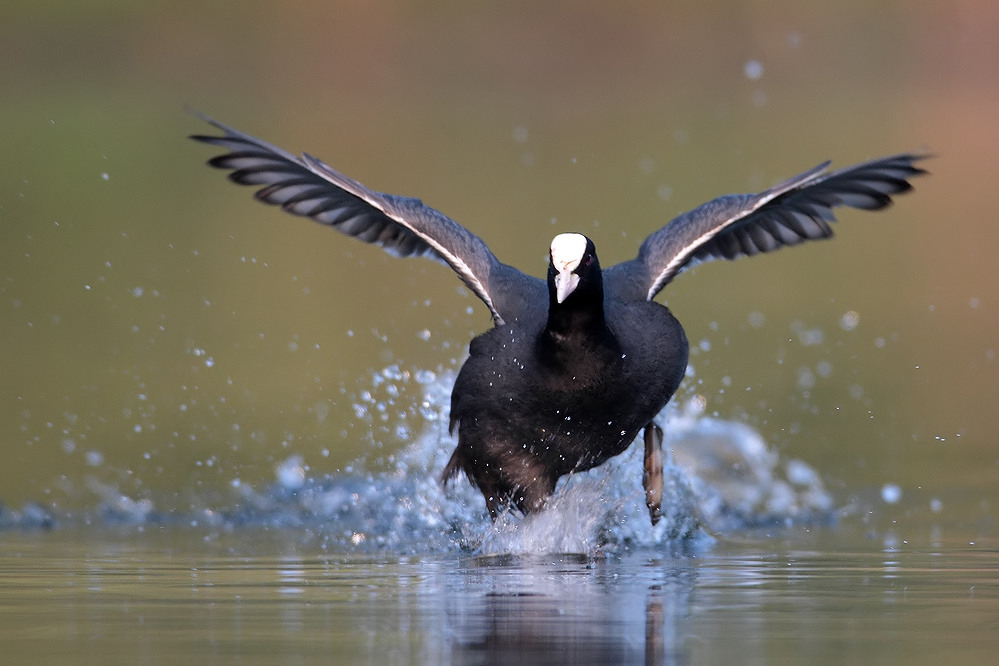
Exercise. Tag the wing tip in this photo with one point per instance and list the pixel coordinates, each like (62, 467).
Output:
(208, 119)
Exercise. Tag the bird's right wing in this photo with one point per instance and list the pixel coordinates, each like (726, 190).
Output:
(402, 226)
(737, 225)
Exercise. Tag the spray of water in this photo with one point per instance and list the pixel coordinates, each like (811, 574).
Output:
(717, 475)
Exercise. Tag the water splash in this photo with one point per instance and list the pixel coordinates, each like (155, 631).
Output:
(717, 474)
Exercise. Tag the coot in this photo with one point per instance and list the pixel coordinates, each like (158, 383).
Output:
(577, 365)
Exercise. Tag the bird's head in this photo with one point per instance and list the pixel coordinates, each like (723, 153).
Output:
(573, 266)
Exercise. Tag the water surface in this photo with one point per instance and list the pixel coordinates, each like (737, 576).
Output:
(273, 596)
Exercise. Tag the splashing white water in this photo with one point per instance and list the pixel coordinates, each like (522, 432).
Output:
(717, 473)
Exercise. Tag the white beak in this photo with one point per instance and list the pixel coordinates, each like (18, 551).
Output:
(565, 283)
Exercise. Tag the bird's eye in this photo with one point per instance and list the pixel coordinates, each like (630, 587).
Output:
(589, 259)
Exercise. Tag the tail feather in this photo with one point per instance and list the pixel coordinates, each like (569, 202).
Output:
(455, 466)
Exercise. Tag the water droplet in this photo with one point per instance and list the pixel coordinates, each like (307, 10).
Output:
(891, 493)
(849, 320)
(753, 69)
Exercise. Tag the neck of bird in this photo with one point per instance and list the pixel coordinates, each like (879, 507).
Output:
(577, 323)
(568, 319)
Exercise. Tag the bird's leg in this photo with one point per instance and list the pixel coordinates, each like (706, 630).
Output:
(496, 498)
(652, 477)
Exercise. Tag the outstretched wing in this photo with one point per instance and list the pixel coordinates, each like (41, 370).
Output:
(737, 225)
(402, 226)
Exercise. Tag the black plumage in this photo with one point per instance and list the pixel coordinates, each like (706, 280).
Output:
(577, 365)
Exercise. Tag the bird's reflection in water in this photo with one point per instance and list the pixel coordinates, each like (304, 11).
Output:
(571, 609)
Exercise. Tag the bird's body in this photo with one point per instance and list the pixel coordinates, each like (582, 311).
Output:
(577, 365)
(575, 389)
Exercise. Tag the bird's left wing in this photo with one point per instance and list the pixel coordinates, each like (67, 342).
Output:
(737, 225)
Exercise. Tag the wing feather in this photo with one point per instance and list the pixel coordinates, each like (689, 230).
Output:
(402, 226)
(794, 211)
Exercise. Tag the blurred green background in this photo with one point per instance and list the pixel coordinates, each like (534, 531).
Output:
(165, 334)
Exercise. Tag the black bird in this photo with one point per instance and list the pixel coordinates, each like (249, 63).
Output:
(573, 368)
